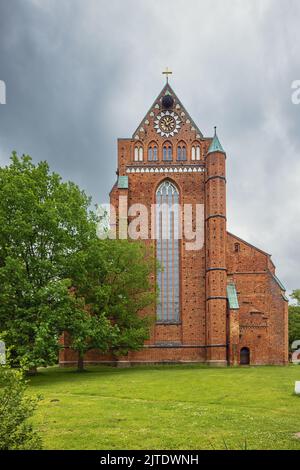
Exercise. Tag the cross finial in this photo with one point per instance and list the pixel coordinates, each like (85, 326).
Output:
(167, 72)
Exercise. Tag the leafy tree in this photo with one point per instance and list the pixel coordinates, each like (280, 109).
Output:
(114, 279)
(294, 318)
(87, 330)
(43, 221)
(56, 276)
(16, 433)
(296, 296)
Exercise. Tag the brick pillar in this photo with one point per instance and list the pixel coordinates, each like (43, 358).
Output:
(233, 337)
(216, 275)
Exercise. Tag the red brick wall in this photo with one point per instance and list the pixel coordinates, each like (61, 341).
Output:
(261, 322)
(263, 310)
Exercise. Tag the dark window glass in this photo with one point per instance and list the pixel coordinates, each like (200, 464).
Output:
(165, 153)
(181, 152)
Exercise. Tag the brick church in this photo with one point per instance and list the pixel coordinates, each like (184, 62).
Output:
(220, 304)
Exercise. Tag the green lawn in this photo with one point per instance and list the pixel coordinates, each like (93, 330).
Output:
(168, 407)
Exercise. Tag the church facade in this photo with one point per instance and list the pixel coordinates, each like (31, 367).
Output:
(220, 301)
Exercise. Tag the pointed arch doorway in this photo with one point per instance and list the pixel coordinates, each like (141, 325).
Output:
(245, 357)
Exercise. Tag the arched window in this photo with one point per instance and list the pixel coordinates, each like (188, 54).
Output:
(167, 152)
(138, 153)
(167, 252)
(237, 247)
(141, 154)
(181, 151)
(196, 152)
(245, 356)
(152, 152)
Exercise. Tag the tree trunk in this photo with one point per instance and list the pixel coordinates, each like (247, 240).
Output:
(32, 370)
(80, 365)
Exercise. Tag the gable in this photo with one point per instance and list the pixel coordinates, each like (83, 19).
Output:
(246, 257)
(148, 127)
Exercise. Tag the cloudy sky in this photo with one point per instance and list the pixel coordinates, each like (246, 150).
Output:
(81, 73)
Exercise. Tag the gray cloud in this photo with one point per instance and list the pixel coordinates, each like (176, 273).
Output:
(79, 74)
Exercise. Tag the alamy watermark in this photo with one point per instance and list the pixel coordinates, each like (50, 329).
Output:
(296, 93)
(157, 222)
(2, 92)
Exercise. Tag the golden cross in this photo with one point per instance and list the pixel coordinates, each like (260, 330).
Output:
(167, 72)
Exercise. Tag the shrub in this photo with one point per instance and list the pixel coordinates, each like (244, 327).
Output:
(16, 432)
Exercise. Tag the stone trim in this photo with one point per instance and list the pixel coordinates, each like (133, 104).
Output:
(216, 269)
(246, 272)
(216, 215)
(221, 297)
(216, 177)
(166, 169)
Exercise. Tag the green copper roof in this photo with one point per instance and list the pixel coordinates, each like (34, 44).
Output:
(123, 182)
(232, 297)
(215, 145)
(279, 282)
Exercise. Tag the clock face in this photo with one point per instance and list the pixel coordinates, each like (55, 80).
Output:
(167, 124)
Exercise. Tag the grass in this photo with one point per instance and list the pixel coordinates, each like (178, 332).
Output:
(168, 407)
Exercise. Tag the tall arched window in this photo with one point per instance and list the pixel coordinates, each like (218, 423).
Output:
(152, 152)
(167, 152)
(196, 152)
(181, 151)
(141, 154)
(138, 153)
(167, 252)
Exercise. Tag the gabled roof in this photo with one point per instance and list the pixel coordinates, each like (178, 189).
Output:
(167, 90)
